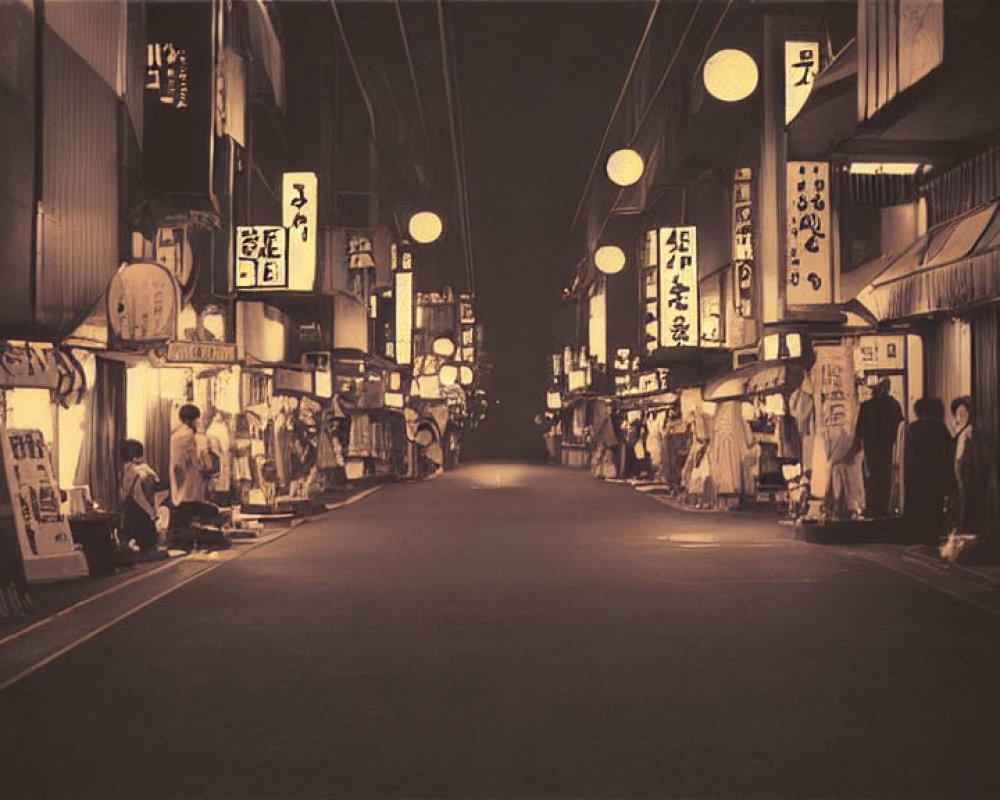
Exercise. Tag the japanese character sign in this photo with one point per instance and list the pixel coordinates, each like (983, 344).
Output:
(298, 201)
(651, 291)
(167, 73)
(801, 66)
(678, 281)
(261, 261)
(809, 262)
(743, 242)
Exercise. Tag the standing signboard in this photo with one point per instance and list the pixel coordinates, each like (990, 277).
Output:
(43, 534)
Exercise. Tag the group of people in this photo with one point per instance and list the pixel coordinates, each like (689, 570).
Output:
(945, 474)
(195, 468)
(944, 471)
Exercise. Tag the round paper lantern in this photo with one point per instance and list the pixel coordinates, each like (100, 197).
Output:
(609, 259)
(425, 227)
(730, 75)
(625, 167)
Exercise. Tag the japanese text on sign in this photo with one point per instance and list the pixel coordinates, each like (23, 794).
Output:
(801, 66)
(678, 287)
(809, 250)
(298, 200)
(260, 257)
(743, 245)
(651, 292)
(167, 73)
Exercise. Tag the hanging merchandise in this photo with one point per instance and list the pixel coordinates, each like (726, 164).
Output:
(44, 538)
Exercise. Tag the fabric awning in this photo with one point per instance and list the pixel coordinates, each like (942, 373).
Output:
(954, 264)
(759, 379)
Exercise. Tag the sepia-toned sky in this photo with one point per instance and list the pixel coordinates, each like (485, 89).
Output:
(538, 81)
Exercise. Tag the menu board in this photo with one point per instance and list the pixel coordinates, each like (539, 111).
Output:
(43, 533)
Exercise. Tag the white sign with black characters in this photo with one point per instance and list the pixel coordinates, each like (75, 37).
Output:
(809, 263)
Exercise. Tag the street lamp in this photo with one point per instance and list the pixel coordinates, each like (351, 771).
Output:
(625, 167)
(425, 227)
(609, 259)
(730, 75)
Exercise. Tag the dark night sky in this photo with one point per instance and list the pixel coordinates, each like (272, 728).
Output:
(538, 81)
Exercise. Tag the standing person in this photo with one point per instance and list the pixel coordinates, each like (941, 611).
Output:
(928, 446)
(971, 468)
(188, 464)
(217, 435)
(137, 494)
(875, 434)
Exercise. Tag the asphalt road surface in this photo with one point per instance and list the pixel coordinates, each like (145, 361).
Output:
(521, 631)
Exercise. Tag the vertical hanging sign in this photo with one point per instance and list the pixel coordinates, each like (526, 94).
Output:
(809, 262)
(801, 66)
(743, 249)
(650, 292)
(678, 287)
(298, 203)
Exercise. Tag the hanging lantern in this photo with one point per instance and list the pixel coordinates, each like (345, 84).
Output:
(730, 75)
(609, 259)
(625, 167)
(425, 227)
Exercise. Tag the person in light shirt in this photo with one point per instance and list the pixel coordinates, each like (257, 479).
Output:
(188, 460)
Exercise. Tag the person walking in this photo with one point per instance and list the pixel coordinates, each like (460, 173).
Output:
(928, 445)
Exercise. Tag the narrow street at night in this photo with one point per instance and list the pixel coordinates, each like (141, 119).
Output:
(522, 631)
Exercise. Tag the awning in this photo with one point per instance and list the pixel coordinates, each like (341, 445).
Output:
(760, 379)
(954, 264)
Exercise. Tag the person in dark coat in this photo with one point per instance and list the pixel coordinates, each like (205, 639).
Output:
(971, 469)
(927, 482)
(875, 434)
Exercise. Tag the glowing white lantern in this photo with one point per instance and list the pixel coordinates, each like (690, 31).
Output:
(466, 376)
(448, 375)
(625, 167)
(443, 346)
(425, 227)
(609, 259)
(730, 75)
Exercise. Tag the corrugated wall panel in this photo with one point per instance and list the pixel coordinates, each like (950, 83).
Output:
(17, 163)
(79, 187)
(93, 29)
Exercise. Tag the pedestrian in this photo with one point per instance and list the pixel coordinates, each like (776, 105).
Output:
(971, 464)
(875, 434)
(137, 492)
(190, 468)
(928, 445)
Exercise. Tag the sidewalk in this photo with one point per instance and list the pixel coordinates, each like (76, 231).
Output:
(882, 541)
(48, 601)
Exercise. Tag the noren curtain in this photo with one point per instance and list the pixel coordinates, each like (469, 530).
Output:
(104, 428)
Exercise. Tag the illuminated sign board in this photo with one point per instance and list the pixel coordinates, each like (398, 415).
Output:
(801, 66)
(403, 294)
(298, 207)
(261, 258)
(678, 286)
(809, 264)
(743, 244)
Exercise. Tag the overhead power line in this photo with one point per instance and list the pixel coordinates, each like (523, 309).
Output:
(456, 158)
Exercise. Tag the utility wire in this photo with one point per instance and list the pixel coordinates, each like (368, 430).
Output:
(456, 161)
(354, 67)
(470, 260)
(614, 111)
(663, 80)
(413, 74)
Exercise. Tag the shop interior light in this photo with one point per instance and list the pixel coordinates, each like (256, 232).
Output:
(466, 376)
(444, 346)
(730, 75)
(609, 259)
(425, 227)
(448, 375)
(885, 168)
(625, 167)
